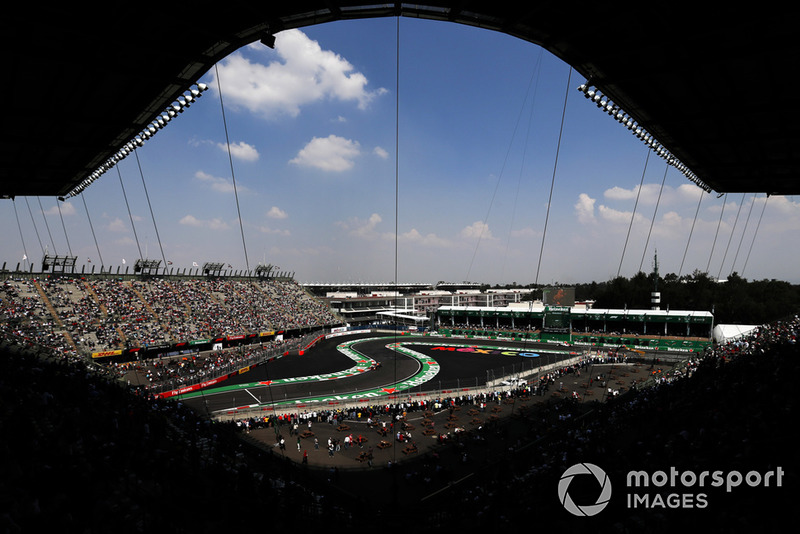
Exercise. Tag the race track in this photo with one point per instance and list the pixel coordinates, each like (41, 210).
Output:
(341, 369)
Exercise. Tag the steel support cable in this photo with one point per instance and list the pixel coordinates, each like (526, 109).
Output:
(519, 180)
(130, 215)
(396, 202)
(534, 76)
(230, 160)
(536, 70)
(735, 222)
(66, 237)
(553, 179)
(653, 220)
(47, 226)
(744, 231)
(702, 191)
(233, 178)
(152, 215)
(633, 214)
(91, 226)
(763, 208)
(19, 227)
(502, 168)
(719, 223)
(35, 229)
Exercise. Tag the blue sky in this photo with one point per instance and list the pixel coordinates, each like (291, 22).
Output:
(345, 174)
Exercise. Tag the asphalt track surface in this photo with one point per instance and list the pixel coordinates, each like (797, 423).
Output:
(449, 450)
(383, 475)
(324, 358)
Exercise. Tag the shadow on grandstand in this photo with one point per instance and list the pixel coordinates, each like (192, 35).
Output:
(83, 454)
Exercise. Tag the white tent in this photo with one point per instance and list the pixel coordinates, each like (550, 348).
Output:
(728, 332)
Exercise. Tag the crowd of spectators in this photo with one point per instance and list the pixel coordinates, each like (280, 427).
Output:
(730, 408)
(25, 320)
(172, 372)
(83, 454)
(93, 315)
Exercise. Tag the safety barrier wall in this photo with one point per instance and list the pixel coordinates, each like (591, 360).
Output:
(493, 382)
(433, 392)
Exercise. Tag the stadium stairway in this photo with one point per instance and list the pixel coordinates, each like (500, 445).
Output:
(152, 312)
(55, 316)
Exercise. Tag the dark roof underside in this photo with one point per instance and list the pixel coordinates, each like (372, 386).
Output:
(711, 88)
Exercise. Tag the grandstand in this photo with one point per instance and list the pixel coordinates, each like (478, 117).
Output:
(149, 332)
(666, 330)
(119, 319)
(71, 429)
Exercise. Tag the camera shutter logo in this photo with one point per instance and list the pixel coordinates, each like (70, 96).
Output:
(602, 499)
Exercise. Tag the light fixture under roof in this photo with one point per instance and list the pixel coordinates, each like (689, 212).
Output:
(606, 104)
(138, 140)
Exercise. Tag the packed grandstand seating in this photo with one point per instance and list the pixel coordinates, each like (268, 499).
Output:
(79, 316)
(158, 375)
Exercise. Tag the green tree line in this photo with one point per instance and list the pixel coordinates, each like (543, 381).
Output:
(735, 301)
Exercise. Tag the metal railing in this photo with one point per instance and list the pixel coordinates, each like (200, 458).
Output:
(434, 389)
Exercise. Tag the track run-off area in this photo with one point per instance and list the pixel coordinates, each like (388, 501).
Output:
(375, 368)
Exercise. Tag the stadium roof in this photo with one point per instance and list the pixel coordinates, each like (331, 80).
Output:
(710, 85)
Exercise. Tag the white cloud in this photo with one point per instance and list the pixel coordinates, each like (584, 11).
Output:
(304, 73)
(781, 204)
(615, 216)
(332, 153)
(429, 240)
(620, 193)
(368, 229)
(116, 225)
(526, 232)
(273, 231)
(220, 185)
(217, 224)
(690, 192)
(276, 213)
(380, 152)
(726, 205)
(190, 220)
(781, 217)
(211, 224)
(241, 150)
(671, 218)
(672, 226)
(584, 208)
(654, 193)
(360, 228)
(478, 229)
(649, 194)
(67, 208)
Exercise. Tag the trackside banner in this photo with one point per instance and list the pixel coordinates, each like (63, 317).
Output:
(106, 353)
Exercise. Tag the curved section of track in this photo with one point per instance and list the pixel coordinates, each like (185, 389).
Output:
(367, 367)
